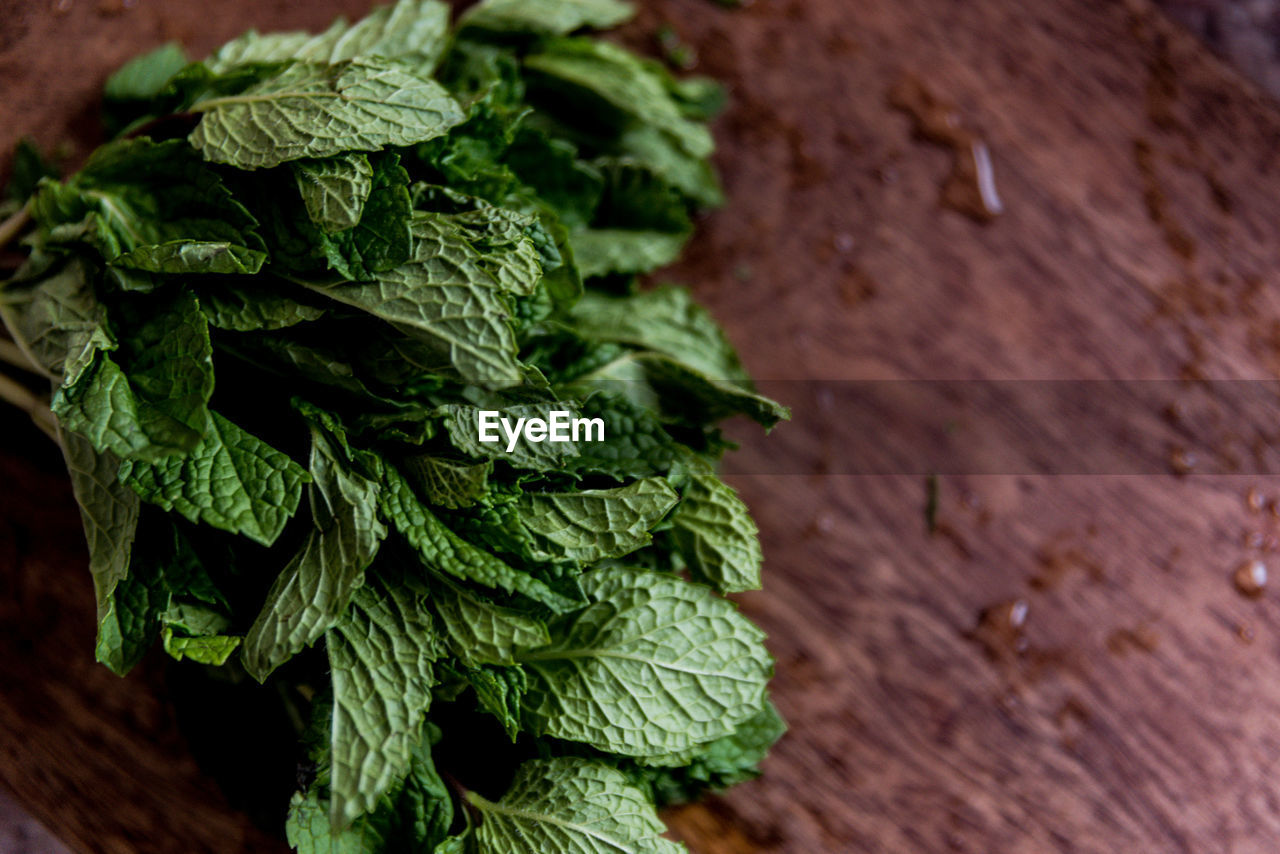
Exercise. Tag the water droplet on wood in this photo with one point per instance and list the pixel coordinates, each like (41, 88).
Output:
(1251, 578)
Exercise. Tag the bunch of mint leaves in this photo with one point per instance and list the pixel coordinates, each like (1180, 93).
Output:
(372, 234)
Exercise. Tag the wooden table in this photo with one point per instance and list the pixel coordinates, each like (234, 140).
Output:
(1138, 707)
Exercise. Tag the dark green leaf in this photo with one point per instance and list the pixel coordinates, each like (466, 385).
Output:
(145, 201)
(231, 480)
(313, 591)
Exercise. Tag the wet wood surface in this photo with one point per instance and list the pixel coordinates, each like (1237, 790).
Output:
(1064, 663)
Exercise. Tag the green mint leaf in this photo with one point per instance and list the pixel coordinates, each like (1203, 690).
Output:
(722, 763)
(714, 531)
(595, 524)
(257, 308)
(512, 246)
(605, 251)
(687, 392)
(678, 391)
(425, 804)
(213, 650)
(570, 806)
(334, 189)
(444, 552)
(498, 692)
(145, 76)
(414, 816)
(448, 484)
(313, 591)
(231, 480)
(637, 199)
(635, 442)
(652, 149)
(560, 179)
(547, 17)
(462, 423)
(28, 167)
(376, 233)
(157, 404)
(445, 297)
(98, 404)
(381, 656)
(480, 632)
(109, 511)
(620, 81)
(411, 29)
(309, 830)
(454, 844)
(169, 360)
(54, 316)
(151, 206)
(193, 256)
(131, 618)
(163, 566)
(310, 110)
(654, 665)
(381, 240)
(665, 320)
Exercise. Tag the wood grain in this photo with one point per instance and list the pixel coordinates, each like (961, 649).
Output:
(1137, 707)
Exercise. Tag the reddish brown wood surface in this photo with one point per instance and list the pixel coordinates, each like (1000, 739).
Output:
(1138, 708)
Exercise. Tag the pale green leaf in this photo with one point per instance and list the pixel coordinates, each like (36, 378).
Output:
(654, 665)
(163, 565)
(414, 816)
(334, 189)
(311, 110)
(144, 76)
(570, 806)
(635, 442)
(412, 29)
(604, 251)
(665, 320)
(381, 239)
(679, 391)
(622, 80)
(593, 524)
(547, 17)
(445, 297)
(380, 655)
(160, 407)
(483, 633)
(716, 535)
(213, 649)
(727, 761)
(310, 831)
(499, 691)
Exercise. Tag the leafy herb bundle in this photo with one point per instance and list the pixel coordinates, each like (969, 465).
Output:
(374, 233)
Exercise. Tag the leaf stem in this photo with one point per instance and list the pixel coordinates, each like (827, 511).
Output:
(13, 226)
(12, 354)
(17, 394)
